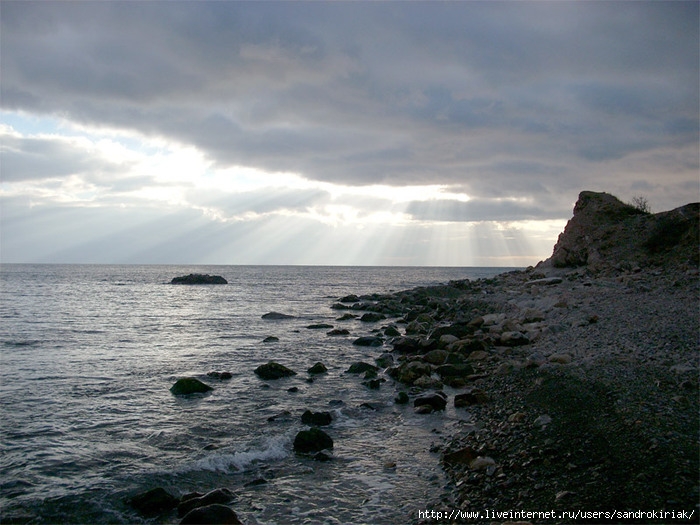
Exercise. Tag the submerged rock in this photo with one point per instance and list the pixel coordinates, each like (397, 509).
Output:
(220, 496)
(198, 278)
(219, 514)
(273, 370)
(276, 315)
(153, 502)
(189, 385)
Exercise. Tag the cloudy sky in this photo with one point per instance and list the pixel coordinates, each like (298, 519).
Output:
(383, 133)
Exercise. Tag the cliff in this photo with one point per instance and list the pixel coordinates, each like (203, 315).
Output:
(606, 233)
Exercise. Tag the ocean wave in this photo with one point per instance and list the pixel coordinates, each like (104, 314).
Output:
(273, 449)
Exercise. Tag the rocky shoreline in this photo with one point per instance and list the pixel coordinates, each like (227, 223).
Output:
(579, 376)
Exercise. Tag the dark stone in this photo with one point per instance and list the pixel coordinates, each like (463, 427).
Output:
(407, 345)
(372, 317)
(153, 502)
(368, 340)
(220, 375)
(277, 315)
(318, 368)
(274, 370)
(316, 419)
(222, 495)
(318, 326)
(384, 360)
(312, 440)
(361, 367)
(350, 299)
(219, 514)
(256, 482)
(475, 397)
(339, 331)
(293, 389)
(436, 400)
(445, 371)
(373, 384)
(189, 385)
(198, 278)
(271, 339)
(391, 331)
(346, 317)
(401, 399)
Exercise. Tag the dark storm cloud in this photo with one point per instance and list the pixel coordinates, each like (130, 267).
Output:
(360, 93)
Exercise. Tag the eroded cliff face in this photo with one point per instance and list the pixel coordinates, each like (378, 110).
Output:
(605, 232)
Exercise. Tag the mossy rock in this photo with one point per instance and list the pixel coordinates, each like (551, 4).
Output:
(189, 385)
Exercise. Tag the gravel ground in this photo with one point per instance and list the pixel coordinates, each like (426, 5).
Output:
(599, 412)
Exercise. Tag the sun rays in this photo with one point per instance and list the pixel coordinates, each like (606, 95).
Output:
(129, 198)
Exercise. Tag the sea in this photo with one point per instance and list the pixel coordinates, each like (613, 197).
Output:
(88, 354)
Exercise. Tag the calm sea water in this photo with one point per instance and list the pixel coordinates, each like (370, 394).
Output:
(88, 354)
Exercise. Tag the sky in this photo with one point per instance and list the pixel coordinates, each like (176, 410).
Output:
(336, 133)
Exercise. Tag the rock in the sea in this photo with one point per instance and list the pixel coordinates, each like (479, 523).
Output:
(220, 496)
(339, 331)
(361, 367)
(273, 370)
(276, 315)
(316, 419)
(271, 339)
(318, 326)
(220, 375)
(318, 368)
(368, 340)
(198, 278)
(219, 514)
(153, 502)
(189, 385)
(312, 440)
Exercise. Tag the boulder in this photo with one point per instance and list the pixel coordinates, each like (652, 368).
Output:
(198, 278)
(368, 340)
(409, 372)
(220, 496)
(474, 397)
(448, 371)
(219, 514)
(384, 360)
(189, 385)
(312, 440)
(361, 367)
(273, 370)
(318, 368)
(318, 326)
(435, 357)
(271, 339)
(339, 331)
(153, 502)
(436, 400)
(372, 317)
(316, 419)
(276, 315)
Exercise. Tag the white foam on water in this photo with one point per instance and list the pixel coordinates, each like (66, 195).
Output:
(274, 449)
